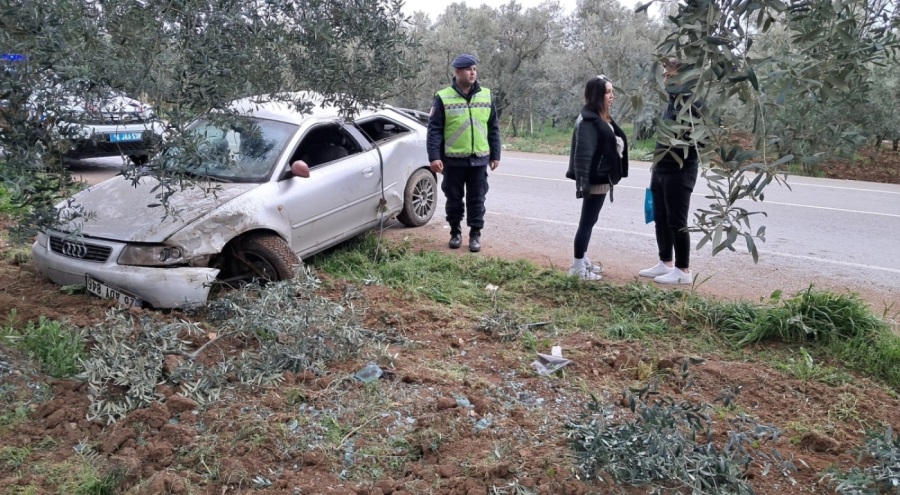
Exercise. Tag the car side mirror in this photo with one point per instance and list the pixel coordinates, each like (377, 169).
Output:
(300, 169)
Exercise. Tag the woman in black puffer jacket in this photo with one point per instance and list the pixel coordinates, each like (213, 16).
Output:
(597, 161)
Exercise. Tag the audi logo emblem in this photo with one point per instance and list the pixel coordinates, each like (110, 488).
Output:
(74, 249)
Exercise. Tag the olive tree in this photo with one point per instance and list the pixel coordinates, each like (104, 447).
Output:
(607, 38)
(187, 58)
(832, 45)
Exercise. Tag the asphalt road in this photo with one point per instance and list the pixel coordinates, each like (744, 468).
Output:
(832, 234)
(835, 235)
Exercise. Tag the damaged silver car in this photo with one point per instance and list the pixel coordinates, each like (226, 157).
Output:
(286, 185)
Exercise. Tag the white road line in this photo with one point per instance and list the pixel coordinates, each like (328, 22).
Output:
(795, 205)
(761, 252)
(845, 210)
(790, 182)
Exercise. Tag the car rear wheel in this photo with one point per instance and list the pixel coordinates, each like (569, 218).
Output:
(258, 257)
(139, 159)
(419, 199)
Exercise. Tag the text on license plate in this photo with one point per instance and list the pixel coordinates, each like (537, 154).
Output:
(106, 291)
(119, 137)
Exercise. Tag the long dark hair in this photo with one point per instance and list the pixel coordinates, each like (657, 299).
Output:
(595, 95)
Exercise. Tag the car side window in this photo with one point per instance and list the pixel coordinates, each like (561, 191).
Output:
(378, 129)
(324, 144)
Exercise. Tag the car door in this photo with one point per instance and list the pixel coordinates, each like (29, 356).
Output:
(338, 200)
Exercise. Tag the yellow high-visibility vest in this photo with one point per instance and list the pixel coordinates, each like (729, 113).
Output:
(465, 123)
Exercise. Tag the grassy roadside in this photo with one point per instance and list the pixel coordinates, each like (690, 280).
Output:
(461, 331)
(832, 326)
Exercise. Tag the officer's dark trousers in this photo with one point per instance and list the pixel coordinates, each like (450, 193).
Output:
(471, 184)
(671, 204)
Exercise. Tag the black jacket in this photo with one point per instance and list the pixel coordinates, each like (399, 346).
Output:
(668, 162)
(593, 158)
(435, 140)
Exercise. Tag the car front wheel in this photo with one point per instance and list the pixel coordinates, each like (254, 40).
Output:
(139, 159)
(419, 199)
(260, 257)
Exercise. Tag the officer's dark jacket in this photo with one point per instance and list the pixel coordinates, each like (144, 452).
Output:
(435, 142)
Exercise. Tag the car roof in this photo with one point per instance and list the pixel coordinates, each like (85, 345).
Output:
(280, 107)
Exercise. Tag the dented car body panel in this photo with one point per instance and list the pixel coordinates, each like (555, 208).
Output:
(115, 199)
(359, 176)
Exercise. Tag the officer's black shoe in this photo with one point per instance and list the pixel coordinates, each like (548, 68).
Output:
(455, 240)
(474, 243)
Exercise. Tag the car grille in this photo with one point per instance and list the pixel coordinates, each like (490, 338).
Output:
(110, 118)
(100, 145)
(71, 248)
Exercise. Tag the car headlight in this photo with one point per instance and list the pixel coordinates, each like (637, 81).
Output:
(42, 239)
(151, 255)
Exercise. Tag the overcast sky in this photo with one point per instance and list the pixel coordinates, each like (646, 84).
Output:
(436, 7)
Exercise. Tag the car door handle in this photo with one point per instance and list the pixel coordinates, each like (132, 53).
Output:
(368, 171)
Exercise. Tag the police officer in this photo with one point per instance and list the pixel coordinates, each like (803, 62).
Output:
(463, 141)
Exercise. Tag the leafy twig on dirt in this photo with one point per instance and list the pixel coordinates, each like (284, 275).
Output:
(285, 327)
(665, 443)
(882, 477)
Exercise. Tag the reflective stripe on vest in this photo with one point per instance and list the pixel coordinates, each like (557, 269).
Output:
(465, 123)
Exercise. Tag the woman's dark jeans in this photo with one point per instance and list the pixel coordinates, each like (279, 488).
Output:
(590, 212)
(671, 204)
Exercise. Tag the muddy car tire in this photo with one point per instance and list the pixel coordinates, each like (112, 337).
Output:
(139, 159)
(264, 257)
(419, 199)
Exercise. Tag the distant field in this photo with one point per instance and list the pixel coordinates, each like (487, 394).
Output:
(556, 141)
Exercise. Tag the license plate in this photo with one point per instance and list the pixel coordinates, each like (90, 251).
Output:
(121, 137)
(106, 291)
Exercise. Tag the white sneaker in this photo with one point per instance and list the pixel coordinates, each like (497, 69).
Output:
(676, 276)
(593, 267)
(583, 273)
(655, 271)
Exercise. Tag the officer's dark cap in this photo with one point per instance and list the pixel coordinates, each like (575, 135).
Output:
(464, 61)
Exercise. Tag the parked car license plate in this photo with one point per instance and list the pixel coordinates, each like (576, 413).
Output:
(106, 291)
(120, 137)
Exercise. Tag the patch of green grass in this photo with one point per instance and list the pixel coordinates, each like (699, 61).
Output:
(842, 325)
(804, 368)
(82, 477)
(7, 205)
(57, 346)
(10, 417)
(634, 328)
(797, 168)
(14, 457)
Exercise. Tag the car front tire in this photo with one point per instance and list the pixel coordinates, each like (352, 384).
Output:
(139, 159)
(262, 257)
(419, 199)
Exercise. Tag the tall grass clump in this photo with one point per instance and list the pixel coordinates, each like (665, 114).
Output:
(59, 347)
(842, 325)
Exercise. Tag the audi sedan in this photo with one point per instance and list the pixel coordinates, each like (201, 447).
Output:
(273, 185)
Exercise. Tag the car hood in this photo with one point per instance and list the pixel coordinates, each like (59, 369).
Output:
(117, 210)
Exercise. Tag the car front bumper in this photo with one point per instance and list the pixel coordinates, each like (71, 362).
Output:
(95, 141)
(160, 287)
